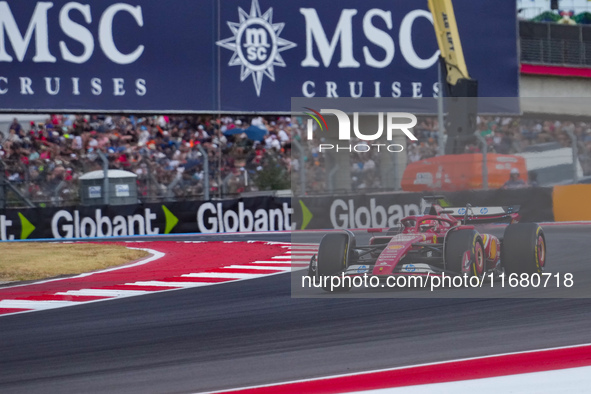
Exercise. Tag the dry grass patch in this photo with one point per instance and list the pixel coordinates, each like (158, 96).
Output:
(32, 261)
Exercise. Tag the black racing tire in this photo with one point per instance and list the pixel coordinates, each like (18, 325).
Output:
(523, 249)
(332, 258)
(457, 243)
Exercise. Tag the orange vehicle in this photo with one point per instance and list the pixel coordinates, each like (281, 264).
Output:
(461, 172)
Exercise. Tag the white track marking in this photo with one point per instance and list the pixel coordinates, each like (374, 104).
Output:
(230, 275)
(104, 292)
(279, 264)
(570, 380)
(277, 386)
(256, 267)
(168, 284)
(36, 305)
(303, 257)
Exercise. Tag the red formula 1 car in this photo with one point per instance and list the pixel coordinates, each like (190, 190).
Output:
(437, 242)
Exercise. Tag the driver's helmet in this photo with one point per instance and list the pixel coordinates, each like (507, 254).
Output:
(428, 224)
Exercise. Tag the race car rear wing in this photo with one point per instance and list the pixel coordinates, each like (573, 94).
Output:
(439, 205)
(484, 214)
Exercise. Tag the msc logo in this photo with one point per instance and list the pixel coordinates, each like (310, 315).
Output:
(256, 44)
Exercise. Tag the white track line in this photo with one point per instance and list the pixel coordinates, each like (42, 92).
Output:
(570, 380)
(272, 264)
(303, 257)
(36, 305)
(277, 385)
(257, 267)
(168, 284)
(104, 292)
(230, 275)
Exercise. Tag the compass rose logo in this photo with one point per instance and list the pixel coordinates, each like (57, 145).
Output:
(256, 45)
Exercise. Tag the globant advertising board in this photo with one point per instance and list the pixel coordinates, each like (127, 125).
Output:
(221, 56)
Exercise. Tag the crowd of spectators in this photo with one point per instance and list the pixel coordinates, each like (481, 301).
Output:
(514, 135)
(167, 153)
(508, 135)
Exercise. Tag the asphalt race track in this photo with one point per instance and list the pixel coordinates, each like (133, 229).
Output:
(253, 332)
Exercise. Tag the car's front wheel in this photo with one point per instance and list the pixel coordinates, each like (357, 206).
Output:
(464, 252)
(332, 259)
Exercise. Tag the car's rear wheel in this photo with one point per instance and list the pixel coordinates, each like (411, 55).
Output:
(464, 252)
(332, 259)
(523, 249)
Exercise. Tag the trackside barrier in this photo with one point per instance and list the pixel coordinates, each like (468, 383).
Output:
(275, 213)
(246, 214)
(386, 209)
(572, 203)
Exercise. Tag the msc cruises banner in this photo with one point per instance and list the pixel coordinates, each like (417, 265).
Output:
(238, 55)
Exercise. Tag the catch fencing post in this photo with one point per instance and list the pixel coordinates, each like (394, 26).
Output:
(2, 185)
(484, 160)
(302, 165)
(106, 177)
(575, 152)
(205, 171)
(331, 176)
(440, 119)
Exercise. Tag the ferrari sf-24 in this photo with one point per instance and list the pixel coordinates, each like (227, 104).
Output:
(440, 241)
